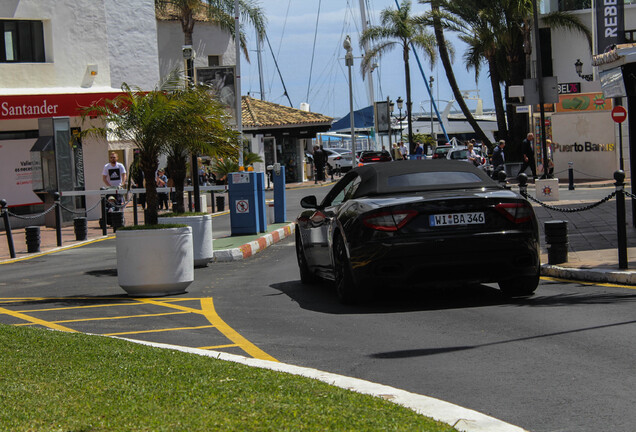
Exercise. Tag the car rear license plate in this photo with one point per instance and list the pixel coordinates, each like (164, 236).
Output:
(449, 219)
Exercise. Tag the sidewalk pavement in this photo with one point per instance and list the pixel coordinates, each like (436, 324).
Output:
(592, 251)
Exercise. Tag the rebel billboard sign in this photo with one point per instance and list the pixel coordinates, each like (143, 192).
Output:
(15, 107)
(610, 24)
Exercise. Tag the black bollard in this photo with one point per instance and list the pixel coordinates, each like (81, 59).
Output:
(619, 176)
(81, 228)
(7, 227)
(212, 199)
(58, 219)
(135, 216)
(556, 236)
(523, 184)
(103, 221)
(220, 203)
(501, 176)
(571, 175)
(32, 238)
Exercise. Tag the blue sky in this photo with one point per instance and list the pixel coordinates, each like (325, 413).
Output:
(291, 29)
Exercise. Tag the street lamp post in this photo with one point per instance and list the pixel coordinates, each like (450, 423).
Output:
(349, 62)
(188, 56)
(431, 79)
(578, 66)
(389, 108)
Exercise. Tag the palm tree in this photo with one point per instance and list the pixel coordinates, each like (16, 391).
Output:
(477, 23)
(499, 33)
(139, 117)
(435, 19)
(398, 28)
(220, 12)
(164, 121)
(200, 124)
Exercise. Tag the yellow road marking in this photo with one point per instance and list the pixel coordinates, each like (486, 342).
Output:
(110, 318)
(207, 310)
(207, 306)
(32, 320)
(600, 284)
(58, 249)
(158, 330)
(218, 347)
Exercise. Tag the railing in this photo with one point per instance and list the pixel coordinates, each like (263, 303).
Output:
(126, 198)
(619, 193)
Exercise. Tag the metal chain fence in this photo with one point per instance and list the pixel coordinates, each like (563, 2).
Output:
(80, 212)
(569, 210)
(50, 209)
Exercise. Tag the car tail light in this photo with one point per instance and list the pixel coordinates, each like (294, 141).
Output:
(388, 221)
(337, 158)
(435, 156)
(515, 212)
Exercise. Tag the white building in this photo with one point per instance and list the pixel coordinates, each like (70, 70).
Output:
(581, 126)
(56, 55)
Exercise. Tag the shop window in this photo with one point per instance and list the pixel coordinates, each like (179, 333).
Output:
(570, 5)
(546, 51)
(21, 41)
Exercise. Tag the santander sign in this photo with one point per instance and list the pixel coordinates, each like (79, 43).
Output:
(50, 105)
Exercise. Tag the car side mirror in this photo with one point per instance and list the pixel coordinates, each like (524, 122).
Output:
(309, 202)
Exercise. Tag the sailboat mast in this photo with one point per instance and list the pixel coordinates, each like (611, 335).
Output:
(369, 77)
(259, 49)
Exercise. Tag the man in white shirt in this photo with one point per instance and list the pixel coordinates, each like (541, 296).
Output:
(403, 151)
(114, 173)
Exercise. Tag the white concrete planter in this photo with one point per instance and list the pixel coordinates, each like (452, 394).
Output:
(201, 236)
(155, 262)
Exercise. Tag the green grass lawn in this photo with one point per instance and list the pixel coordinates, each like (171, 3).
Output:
(54, 381)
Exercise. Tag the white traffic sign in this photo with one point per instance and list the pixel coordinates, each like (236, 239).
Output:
(619, 114)
(242, 206)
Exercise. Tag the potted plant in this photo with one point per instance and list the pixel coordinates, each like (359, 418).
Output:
(205, 129)
(202, 239)
(153, 259)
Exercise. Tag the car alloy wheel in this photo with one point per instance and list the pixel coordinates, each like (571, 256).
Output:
(306, 276)
(346, 287)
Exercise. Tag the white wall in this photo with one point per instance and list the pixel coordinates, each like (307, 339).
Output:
(119, 36)
(207, 40)
(590, 162)
(132, 43)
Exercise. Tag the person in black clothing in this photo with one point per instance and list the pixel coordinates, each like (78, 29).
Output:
(498, 159)
(527, 149)
(319, 161)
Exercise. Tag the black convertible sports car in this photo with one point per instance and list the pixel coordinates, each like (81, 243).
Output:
(418, 223)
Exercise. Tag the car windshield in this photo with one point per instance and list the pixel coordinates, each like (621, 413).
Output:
(459, 154)
(432, 179)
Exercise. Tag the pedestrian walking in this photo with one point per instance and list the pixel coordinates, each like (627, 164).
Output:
(527, 150)
(498, 159)
(319, 163)
(404, 153)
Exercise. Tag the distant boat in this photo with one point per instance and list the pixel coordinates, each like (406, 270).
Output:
(455, 122)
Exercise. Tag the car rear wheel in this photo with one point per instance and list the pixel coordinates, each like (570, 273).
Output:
(306, 276)
(522, 286)
(346, 288)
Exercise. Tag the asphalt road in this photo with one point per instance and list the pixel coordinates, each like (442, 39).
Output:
(559, 361)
